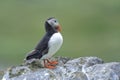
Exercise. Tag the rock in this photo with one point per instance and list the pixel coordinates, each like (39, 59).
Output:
(107, 71)
(83, 68)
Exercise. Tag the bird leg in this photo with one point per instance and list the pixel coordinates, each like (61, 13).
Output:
(50, 64)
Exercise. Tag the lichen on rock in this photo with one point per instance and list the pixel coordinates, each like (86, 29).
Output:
(83, 68)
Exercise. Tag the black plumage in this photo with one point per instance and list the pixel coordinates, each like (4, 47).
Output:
(42, 47)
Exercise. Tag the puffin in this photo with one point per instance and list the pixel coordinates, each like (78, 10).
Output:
(49, 44)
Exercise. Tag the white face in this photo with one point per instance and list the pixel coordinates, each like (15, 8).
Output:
(53, 22)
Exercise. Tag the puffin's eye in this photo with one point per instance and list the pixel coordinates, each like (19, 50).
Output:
(55, 21)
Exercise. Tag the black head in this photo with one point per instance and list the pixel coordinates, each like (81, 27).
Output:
(52, 25)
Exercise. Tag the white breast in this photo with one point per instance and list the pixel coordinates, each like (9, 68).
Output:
(54, 45)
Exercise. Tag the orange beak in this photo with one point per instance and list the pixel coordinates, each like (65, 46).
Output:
(59, 28)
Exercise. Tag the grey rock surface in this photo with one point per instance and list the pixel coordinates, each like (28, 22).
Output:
(83, 68)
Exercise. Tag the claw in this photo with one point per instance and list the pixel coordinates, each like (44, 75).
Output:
(50, 64)
(54, 62)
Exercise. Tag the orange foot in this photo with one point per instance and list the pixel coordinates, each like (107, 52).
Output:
(50, 64)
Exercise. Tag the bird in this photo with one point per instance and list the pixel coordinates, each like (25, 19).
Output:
(49, 44)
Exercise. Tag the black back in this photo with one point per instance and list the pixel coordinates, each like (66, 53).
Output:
(42, 47)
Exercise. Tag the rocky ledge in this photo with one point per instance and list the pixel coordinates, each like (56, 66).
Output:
(83, 68)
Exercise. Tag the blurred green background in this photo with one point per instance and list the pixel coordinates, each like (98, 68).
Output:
(89, 28)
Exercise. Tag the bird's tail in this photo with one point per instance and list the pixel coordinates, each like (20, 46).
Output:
(35, 54)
